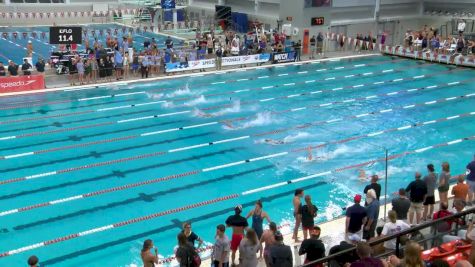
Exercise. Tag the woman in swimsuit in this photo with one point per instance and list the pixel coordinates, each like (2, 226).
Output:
(258, 216)
(148, 259)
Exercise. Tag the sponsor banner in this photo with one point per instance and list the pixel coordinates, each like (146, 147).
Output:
(210, 63)
(283, 57)
(21, 83)
(190, 65)
(239, 60)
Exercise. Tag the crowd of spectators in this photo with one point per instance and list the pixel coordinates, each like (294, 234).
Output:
(429, 39)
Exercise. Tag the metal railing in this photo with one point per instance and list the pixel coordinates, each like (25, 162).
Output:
(432, 225)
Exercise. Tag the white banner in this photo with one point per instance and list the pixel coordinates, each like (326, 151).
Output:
(251, 59)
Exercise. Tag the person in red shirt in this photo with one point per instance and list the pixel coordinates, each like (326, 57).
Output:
(443, 212)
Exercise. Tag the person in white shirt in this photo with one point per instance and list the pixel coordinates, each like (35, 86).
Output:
(394, 226)
(461, 26)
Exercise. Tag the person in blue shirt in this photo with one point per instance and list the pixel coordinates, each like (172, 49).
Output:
(145, 67)
(119, 64)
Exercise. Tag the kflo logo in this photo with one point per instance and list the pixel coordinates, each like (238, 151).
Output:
(15, 84)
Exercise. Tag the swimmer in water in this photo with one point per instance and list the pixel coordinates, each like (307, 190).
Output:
(362, 175)
(274, 142)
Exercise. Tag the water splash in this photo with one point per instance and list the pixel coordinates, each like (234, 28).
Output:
(235, 108)
(296, 137)
(183, 91)
(200, 100)
(263, 118)
(154, 96)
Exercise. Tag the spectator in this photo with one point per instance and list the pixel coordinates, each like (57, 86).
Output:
(461, 26)
(81, 70)
(169, 42)
(348, 257)
(355, 218)
(190, 235)
(444, 179)
(401, 205)
(280, 254)
(26, 67)
(372, 213)
(221, 248)
(308, 212)
(185, 254)
(2, 69)
(33, 261)
(412, 256)
(219, 58)
(363, 250)
(418, 192)
(248, 249)
(313, 47)
(119, 64)
(313, 248)
(40, 66)
(145, 67)
(269, 240)
(431, 182)
(443, 227)
(374, 185)
(297, 203)
(460, 190)
(148, 259)
(238, 224)
(471, 180)
(392, 227)
(320, 39)
(298, 50)
(258, 216)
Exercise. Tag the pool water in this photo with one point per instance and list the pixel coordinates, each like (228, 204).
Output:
(15, 49)
(190, 149)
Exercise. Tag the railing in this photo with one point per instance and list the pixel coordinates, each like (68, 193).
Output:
(432, 224)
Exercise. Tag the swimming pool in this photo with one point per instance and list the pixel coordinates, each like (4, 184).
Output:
(87, 175)
(15, 49)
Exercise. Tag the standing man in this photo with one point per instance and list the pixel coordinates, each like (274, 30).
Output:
(372, 213)
(297, 203)
(355, 218)
(12, 68)
(313, 47)
(2, 69)
(280, 254)
(431, 182)
(313, 247)
(26, 67)
(320, 39)
(220, 254)
(418, 192)
(40, 66)
(374, 185)
(298, 50)
(144, 68)
(238, 224)
(471, 180)
(401, 205)
(219, 57)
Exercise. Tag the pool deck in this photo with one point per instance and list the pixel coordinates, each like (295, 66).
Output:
(56, 82)
(332, 232)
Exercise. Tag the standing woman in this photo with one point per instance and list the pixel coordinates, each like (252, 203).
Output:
(248, 249)
(444, 178)
(268, 238)
(148, 258)
(190, 235)
(258, 216)
(308, 213)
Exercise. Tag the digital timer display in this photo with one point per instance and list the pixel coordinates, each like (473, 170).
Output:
(318, 21)
(65, 35)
